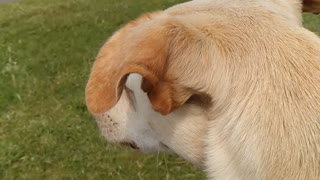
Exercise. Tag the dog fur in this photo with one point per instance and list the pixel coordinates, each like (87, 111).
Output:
(264, 113)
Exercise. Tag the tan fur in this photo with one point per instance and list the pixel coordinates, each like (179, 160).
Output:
(258, 65)
(183, 132)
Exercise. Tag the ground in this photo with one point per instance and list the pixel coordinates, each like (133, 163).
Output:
(8, 1)
(47, 48)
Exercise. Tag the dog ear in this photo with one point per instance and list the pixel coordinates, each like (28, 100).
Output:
(165, 97)
(143, 50)
(312, 6)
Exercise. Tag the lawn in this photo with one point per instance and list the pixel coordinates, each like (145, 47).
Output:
(47, 48)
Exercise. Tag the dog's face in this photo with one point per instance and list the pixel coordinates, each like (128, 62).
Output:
(133, 122)
(127, 123)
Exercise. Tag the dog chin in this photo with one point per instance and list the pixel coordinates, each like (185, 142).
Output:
(159, 149)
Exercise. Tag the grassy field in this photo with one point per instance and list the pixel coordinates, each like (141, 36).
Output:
(47, 48)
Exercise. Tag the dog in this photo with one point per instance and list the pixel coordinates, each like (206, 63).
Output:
(262, 103)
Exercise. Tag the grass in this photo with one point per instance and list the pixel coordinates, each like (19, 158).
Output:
(46, 51)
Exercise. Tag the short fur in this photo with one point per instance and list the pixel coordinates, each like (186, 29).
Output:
(259, 67)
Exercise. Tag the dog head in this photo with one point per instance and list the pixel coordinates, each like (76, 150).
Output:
(133, 122)
(127, 122)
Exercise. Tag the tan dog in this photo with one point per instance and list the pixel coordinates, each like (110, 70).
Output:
(264, 110)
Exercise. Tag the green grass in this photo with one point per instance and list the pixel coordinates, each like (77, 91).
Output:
(47, 48)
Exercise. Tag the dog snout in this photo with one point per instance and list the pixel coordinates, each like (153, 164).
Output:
(105, 120)
(111, 128)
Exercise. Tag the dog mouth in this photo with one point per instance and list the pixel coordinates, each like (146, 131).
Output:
(132, 145)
